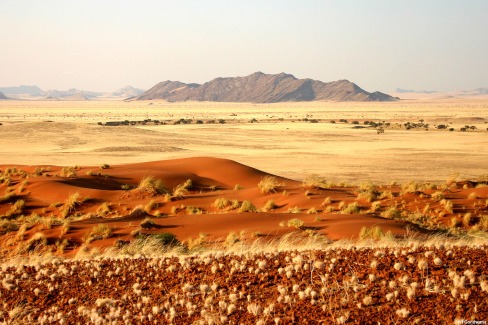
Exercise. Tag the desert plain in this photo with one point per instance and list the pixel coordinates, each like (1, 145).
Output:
(227, 213)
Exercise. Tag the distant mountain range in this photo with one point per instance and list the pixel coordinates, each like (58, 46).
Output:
(2, 96)
(262, 88)
(34, 92)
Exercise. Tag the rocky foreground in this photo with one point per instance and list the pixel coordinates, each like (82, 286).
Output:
(412, 284)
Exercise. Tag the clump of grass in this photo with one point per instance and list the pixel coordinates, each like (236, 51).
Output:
(104, 166)
(125, 187)
(326, 201)
(104, 209)
(147, 223)
(467, 219)
(368, 192)
(411, 187)
(351, 208)
(392, 213)
(35, 243)
(221, 203)
(247, 206)
(193, 210)
(295, 222)
(238, 187)
(270, 205)
(374, 233)
(375, 206)
(7, 226)
(268, 184)
(100, 231)
(7, 196)
(152, 186)
(69, 172)
(196, 243)
(294, 210)
(312, 210)
(182, 190)
(483, 222)
(437, 196)
(234, 204)
(448, 205)
(16, 208)
(151, 205)
(231, 239)
(316, 182)
(71, 203)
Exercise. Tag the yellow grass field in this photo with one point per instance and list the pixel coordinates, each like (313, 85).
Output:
(280, 141)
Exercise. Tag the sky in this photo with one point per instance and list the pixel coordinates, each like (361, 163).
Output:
(378, 44)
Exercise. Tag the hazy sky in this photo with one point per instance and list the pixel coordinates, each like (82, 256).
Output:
(380, 45)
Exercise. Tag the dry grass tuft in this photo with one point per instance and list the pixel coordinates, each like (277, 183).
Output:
(152, 186)
(268, 184)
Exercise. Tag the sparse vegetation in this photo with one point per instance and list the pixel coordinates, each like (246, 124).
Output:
(295, 222)
(247, 206)
(100, 231)
(268, 184)
(152, 186)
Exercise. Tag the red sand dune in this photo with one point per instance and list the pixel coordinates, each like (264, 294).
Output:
(46, 192)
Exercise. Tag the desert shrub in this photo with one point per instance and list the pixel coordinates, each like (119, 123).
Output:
(467, 218)
(104, 166)
(234, 204)
(368, 192)
(270, 205)
(411, 187)
(268, 184)
(104, 209)
(231, 239)
(294, 210)
(386, 195)
(71, 203)
(238, 187)
(483, 222)
(36, 242)
(7, 226)
(315, 181)
(351, 208)
(375, 206)
(392, 213)
(16, 208)
(448, 205)
(221, 203)
(147, 223)
(247, 206)
(100, 231)
(373, 233)
(7, 197)
(166, 239)
(295, 222)
(326, 201)
(193, 210)
(312, 210)
(69, 172)
(151, 205)
(182, 190)
(437, 196)
(125, 187)
(152, 186)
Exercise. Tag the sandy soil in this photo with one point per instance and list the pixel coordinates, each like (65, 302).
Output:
(280, 142)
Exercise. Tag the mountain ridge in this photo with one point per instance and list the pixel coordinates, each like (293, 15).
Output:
(262, 88)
